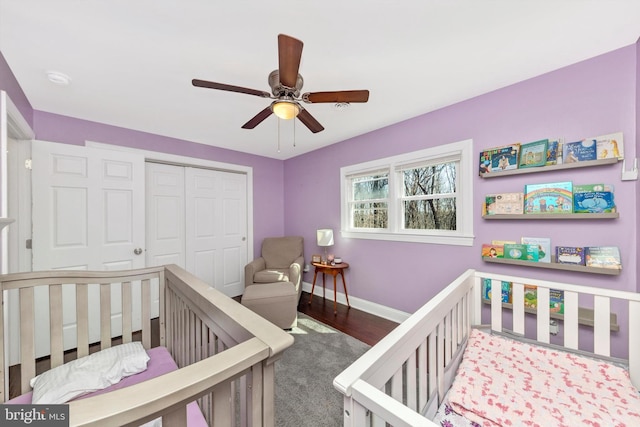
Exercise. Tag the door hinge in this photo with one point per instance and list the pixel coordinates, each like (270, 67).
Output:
(27, 164)
(29, 243)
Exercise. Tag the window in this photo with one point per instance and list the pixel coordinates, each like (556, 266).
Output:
(424, 196)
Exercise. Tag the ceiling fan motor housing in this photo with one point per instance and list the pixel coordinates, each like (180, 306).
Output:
(278, 89)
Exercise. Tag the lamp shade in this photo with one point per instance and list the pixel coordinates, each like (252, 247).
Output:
(325, 237)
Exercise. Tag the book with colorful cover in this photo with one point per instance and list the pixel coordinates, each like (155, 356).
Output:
(579, 151)
(594, 202)
(543, 244)
(602, 257)
(504, 203)
(521, 252)
(499, 159)
(610, 146)
(554, 197)
(570, 255)
(503, 242)
(533, 154)
(506, 290)
(553, 146)
(531, 297)
(492, 251)
(556, 301)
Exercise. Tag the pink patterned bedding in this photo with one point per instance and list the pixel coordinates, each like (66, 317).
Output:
(502, 382)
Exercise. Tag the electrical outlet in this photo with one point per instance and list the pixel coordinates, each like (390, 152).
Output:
(631, 175)
(307, 267)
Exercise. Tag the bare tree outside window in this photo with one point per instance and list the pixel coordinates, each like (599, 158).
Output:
(429, 199)
(370, 201)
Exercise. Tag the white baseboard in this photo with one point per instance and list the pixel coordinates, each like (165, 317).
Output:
(360, 304)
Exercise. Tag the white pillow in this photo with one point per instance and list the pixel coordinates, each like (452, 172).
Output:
(90, 373)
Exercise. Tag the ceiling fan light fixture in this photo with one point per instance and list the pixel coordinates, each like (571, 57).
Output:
(285, 110)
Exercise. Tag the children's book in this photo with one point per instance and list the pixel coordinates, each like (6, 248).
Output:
(522, 252)
(556, 301)
(486, 290)
(588, 188)
(503, 242)
(504, 203)
(531, 296)
(492, 251)
(570, 255)
(602, 257)
(533, 154)
(593, 202)
(579, 151)
(543, 244)
(555, 197)
(610, 146)
(499, 159)
(553, 146)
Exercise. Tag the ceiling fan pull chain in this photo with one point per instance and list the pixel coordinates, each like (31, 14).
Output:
(294, 133)
(278, 134)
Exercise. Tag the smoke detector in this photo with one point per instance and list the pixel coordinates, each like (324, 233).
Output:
(58, 78)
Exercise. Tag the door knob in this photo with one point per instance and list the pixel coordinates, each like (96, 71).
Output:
(137, 251)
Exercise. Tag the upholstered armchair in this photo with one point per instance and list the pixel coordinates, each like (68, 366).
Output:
(273, 281)
(281, 260)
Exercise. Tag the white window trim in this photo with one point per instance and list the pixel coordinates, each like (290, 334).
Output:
(461, 237)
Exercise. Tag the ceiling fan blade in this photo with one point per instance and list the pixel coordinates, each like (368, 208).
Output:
(339, 96)
(230, 88)
(258, 118)
(309, 121)
(289, 55)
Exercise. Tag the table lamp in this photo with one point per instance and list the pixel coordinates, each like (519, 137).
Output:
(325, 239)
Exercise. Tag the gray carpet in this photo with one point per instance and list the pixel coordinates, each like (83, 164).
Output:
(305, 396)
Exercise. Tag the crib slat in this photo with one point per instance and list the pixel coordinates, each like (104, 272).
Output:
(634, 344)
(496, 305)
(543, 315)
(517, 298)
(82, 320)
(56, 325)
(447, 338)
(27, 331)
(422, 377)
(105, 315)
(571, 320)
(412, 401)
(396, 385)
(602, 324)
(146, 313)
(127, 328)
(4, 386)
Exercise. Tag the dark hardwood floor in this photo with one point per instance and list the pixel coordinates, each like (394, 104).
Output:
(361, 325)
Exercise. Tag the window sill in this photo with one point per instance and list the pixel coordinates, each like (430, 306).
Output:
(411, 238)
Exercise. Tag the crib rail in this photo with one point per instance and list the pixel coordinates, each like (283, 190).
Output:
(222, 349)
(402, 380)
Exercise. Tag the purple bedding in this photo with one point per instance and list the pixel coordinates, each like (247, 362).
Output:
(160, 363)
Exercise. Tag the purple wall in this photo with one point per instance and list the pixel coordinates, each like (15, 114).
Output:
(9, 84)
(267, 173)
(591, 98)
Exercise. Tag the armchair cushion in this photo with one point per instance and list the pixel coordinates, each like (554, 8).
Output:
(280, 252)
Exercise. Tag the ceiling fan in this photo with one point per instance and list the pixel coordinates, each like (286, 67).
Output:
(285, 85)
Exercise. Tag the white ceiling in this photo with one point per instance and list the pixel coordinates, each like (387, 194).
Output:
(131, 62)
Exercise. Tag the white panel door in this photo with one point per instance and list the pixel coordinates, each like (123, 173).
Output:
(88, 214)
(165, 214)
(216, 227)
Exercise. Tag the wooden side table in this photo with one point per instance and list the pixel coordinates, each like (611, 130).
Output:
(333, 270)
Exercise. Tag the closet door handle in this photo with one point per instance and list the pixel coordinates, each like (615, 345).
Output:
(137, 251)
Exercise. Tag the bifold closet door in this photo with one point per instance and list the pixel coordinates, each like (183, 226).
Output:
(197, 218)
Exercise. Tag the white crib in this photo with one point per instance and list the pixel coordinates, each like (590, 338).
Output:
(402, 380)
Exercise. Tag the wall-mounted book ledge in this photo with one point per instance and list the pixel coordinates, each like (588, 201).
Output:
(605, 215)
(555, 266)
(585, 315)
(583, 164)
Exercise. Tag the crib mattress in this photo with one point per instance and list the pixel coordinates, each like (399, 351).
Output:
(160, 362)
(503, 382)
